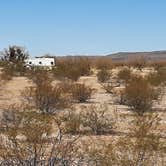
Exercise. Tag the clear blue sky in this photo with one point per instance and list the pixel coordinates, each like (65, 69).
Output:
(63, 27)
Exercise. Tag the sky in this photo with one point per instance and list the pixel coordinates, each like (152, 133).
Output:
(89, 27)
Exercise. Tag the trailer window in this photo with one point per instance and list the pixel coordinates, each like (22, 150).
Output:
(52, 63)
(40, 63)
(30, 63)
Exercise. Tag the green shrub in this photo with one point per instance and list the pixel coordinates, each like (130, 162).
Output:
(13, 61)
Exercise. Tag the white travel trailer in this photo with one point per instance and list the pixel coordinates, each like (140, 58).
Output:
(40, 62)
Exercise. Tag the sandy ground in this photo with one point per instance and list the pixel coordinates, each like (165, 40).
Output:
(10, 93)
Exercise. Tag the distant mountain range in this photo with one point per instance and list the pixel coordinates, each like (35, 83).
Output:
(125, 56)
(151, 56)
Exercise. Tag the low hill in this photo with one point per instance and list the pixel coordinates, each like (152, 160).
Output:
(152, 56)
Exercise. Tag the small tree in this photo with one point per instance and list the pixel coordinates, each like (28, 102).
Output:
(13, 60)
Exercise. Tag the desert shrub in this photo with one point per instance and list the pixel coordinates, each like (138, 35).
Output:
(97, 119)
(45, 97)
(84, 66)
(65, 86)
(120, 64)
(158, 64)
(139, 62)
(72, 122)
(108, 87)
(13, 60)
(124, 74)
(104, 63)
(103, 75)
(144, 147)
(28, 140)
(154, 79)
(7, 72)
(157, 78)
(72, 68)
(39, 76)
(139, 94)
(80, 92)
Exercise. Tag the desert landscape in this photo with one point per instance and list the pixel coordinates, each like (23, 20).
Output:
(82, 83)
(83, 111)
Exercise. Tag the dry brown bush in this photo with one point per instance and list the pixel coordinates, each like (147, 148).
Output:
(91, 120)
(139, 94)
(158, 64)
(103, 75)
(39, 76)
(7, 72)
(143, 147)
(45, 97)
(80, 92)
(124, 74)
(72, 122)
(157, 78)
(26, 141)
(104, 63)
(108, 87)
(72, 68)
(97, 119)
(139, 62)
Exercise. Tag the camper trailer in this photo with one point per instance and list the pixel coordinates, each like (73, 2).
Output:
(40, 62)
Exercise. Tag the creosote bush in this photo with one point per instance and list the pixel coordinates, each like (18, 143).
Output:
(124, 74)
(139, 62)
(46, 98)
(144, 147)
(91, 120)
(139, 94)
(39, 76)
(157, 78)
(72, 68)
(98, 120)
(72, 121)
(43, 95)
(103, 75)
(104, 63)
(26, 140)
(80, 92)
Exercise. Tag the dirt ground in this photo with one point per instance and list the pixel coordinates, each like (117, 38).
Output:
(10, 94)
